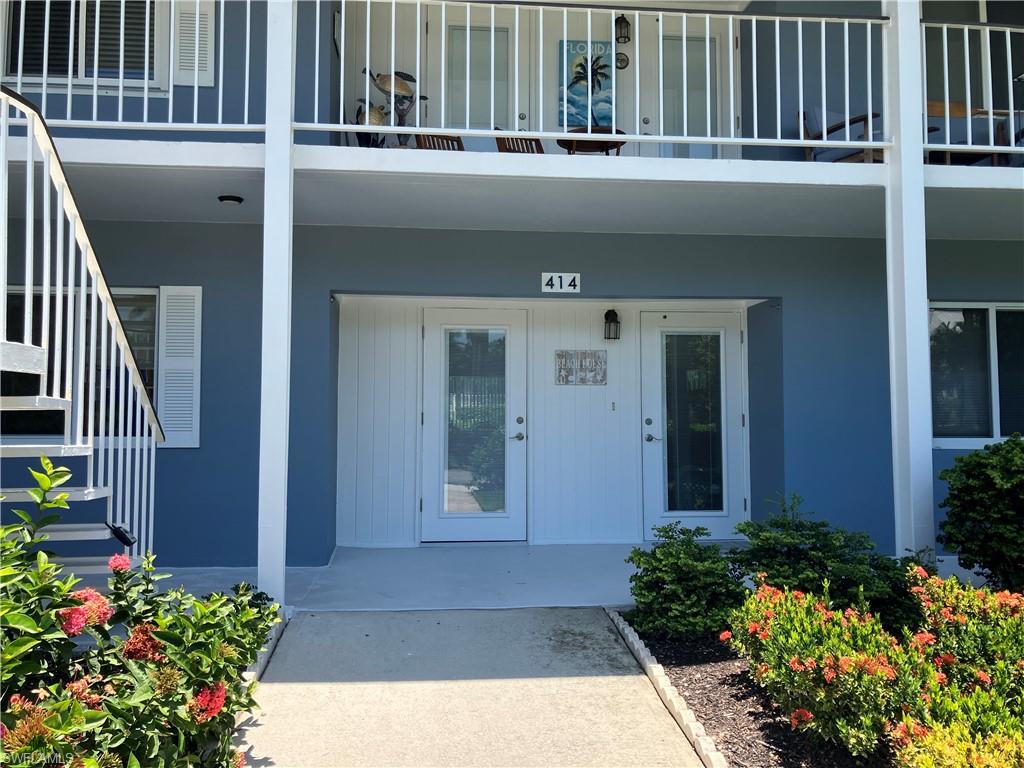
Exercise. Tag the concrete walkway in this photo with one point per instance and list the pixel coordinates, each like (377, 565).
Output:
(531, 687)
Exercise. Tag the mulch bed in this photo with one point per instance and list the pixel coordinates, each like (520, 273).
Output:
(749, 730)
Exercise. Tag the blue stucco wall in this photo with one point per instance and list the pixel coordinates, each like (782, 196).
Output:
(206, 496)
(818, 359)
(971, 271)
(835, 447)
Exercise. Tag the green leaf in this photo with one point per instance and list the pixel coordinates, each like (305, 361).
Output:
(59, 476)
(18, 647)
(47, 464)
(133, 762)
(19, 621)
(42, 480)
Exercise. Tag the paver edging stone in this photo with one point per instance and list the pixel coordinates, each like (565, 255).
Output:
(674, 703)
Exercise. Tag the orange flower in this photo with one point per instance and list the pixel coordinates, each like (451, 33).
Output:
(983, 677)
(725, 636)
(799, 717)
(795, 664)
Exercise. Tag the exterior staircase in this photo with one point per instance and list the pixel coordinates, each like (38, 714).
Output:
(64, 354)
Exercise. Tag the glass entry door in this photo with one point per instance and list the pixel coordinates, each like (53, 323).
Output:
(474, 425)
(692, 420)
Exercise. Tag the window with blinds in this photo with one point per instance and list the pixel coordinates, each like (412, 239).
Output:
(74, 26)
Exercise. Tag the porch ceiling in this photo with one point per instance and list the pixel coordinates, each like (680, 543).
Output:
(575, 194)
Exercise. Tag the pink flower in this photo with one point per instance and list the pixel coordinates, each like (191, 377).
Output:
(725, 636)
(94, 610)
(119, 563)
(983, 677)
(920, 572)
(73, 620)
(239, 760)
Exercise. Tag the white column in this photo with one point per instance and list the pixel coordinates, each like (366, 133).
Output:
(275, 361)
(907, 283)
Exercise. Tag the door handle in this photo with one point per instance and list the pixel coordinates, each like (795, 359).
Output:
(518, 436)
(651, 438)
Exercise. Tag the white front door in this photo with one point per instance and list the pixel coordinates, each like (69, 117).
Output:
(474, 425)
(692, 420)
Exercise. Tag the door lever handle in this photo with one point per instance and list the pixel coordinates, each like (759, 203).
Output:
(651, 438)
(518, 436)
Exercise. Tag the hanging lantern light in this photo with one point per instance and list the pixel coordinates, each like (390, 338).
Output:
(612, 326)
(622, 29)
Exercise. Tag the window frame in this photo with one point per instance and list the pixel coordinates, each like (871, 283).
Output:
(106, 86)
(973, 443)
(99, 442)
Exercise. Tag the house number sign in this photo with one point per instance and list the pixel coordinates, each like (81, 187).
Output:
(581, 366)
(559, 282)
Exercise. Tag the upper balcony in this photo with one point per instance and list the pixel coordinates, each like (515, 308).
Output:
(715, 82)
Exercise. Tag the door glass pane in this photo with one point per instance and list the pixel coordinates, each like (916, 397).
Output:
(475, 463)
(699, 68)
(693, 421)
(479, 77)
(961, 391)
(1010, 349)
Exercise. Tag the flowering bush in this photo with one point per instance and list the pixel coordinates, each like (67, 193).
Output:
(951, 685)
(838, 672)
(157, 680)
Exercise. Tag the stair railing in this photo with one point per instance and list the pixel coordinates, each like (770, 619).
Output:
(89, 369)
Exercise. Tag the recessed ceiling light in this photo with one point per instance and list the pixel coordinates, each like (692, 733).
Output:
(231, 199)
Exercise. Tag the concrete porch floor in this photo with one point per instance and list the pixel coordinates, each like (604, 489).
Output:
(445, 577)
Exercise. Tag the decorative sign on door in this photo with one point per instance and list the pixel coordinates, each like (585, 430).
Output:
(581, 366)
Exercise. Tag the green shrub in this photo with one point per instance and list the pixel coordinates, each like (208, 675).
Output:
(955, 747)
(682, 587)
(159, 681)
(797, 553)
(984, 523)
(957, 681)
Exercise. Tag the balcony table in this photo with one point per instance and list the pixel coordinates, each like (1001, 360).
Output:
(592, 146)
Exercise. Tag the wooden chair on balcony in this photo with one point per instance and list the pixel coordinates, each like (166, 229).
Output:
(836, 130)
(444, 143)
(519, 145)
(957, 118)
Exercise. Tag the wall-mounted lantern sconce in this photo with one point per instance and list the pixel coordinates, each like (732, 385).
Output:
(622, 29)
(612, 326)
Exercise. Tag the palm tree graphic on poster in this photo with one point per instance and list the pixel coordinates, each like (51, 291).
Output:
(593, 66)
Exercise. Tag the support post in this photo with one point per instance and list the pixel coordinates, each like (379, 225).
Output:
(275, 347)
(907, 283)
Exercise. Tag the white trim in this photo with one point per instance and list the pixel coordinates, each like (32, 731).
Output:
(907, 282)
(973, 443)
(276, 301)
(503, 165)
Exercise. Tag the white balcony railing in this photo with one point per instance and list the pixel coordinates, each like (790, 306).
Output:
(974, 91)
(181, 65)
(660, 82)
(69, 334)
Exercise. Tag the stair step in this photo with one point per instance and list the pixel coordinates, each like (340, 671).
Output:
(78, 532)
(74, 494)
(22, 358)
(53, 450)
(34, 403)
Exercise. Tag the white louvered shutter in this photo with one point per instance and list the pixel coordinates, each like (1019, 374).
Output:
(179, 349)
(187, 47)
